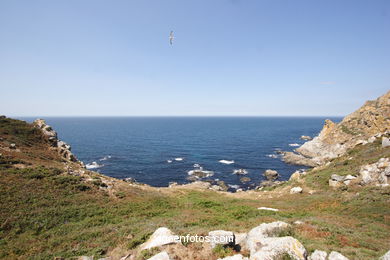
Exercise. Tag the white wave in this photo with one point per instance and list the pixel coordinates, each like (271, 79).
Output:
(234, 186)
(240, 172)
(105, 158)
(201, 173)
(226, 161)
(179, 159)
(93, 165)
(169, 161)
(196, 165)
(272, 156)
(294, 145)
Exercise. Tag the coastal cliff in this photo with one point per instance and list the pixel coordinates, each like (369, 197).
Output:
(369, 122)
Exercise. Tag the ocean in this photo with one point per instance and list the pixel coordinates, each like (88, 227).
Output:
(160, 150)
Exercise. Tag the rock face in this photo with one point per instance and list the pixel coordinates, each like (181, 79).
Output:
(63, 148)
(372, 119)
(162, 236)
(385, 142)
(298, 159)
(336, 181)
(376, 173)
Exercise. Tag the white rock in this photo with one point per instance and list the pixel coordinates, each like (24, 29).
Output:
(265, 208)
(272, 247)
(385, 142)
(298, 222)
(296, 190)
(234, 257)
(160, 256)
(162, 236)
(265, 230)
(385, 256)
(221, 237)
(318, 255)
(371, 139)
(240, 238)
(336, 256)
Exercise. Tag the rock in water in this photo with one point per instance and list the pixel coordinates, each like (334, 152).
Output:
(271, 174)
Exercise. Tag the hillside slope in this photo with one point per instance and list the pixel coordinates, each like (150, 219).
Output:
(53, 207)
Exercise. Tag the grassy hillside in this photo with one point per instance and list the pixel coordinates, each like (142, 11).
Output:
(45, 212)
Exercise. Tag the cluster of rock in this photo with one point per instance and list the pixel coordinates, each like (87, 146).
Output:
(377, 173)
(365, 125)
(63, 148)
(262, 242)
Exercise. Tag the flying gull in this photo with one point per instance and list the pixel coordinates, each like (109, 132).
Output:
(171, 37)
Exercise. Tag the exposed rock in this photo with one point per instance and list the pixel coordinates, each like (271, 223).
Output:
(223, 185)
(297, 175)
(172, 184)
(336, 256)
(160, 256)
(162, 236)
(245, 179)
(318, 255)
(371, 139)
(385, 256)
(271, 174)
(264, 230)
(12, 146)
(376, 173)
(298, 159)
(63, 148)
(296, 190)
(335, 139)
(200, 173)
(273, 247)
(240, 172)
(234, 257)
(336, 181)
(130, 180)
(385, 142)
(305, 137)
(240, 238)
(216, 188)
(221, 237)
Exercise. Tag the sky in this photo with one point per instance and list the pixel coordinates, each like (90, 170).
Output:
(228, 58)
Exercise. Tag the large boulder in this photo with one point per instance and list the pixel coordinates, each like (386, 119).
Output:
(161, 256)
(221, 237)
(385, 256)
(336, 256)
(162, 236)
(296, 190)
(273, 247)
(318, 255)
(271, 174)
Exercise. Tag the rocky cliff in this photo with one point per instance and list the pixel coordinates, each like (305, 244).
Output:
(369, 122)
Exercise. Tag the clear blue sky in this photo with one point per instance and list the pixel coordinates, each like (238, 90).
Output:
(230, 57)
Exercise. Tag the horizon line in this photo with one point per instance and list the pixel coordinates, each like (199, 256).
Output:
(68, 116)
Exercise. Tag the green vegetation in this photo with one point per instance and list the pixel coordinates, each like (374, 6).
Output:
(47, 213)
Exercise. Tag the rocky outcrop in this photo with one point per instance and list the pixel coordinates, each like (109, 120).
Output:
(336, 181)
(385, 256)
(376, 173)
(371, 120)
(63, 148)
(161, 256)
(234, 257)
(296, 190)
(318, 255)
(271, 174)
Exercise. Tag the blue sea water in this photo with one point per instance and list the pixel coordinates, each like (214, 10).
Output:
(140, 147)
